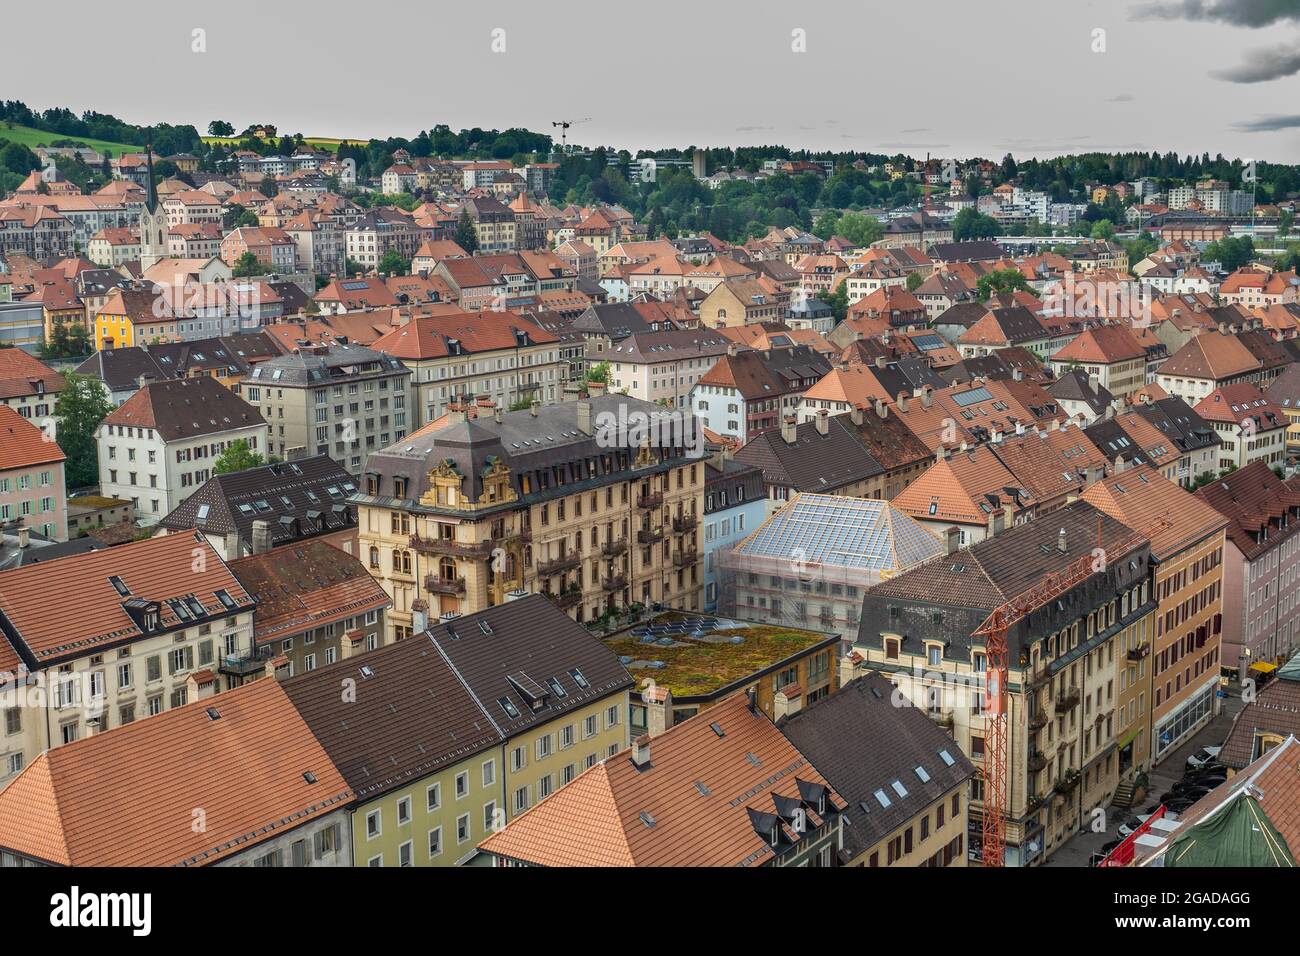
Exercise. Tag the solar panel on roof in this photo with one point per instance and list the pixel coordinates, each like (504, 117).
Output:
(973, 397)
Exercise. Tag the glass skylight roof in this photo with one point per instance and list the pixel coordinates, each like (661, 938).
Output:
(845, 532)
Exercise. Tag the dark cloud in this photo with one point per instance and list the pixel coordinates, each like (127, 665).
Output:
(1239, 13)
(1122, 98)
(1261, 66)
(1268, 124)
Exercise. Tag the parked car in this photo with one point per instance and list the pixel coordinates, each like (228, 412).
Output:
(1203, 757)
(1179, 805)
(1127, 828)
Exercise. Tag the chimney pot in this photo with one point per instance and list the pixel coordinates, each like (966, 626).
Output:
(641, 750)
(1061, 542)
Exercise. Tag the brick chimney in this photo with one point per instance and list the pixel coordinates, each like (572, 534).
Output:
(822, 420)
(658, 710)
(261, 536)
(788, 429)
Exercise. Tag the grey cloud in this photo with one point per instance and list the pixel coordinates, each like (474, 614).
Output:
(1268, 124)
(1261, 66)
(1239, 13)
(1122, 98)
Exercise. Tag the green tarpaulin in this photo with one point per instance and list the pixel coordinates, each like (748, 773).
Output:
(1239, 834)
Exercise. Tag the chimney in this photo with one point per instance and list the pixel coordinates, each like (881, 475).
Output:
(901, 401)
(419, 616)
(848, 666)
(351, 643)
(855, 415)
(534, 407)
(788, 429)
(823, 421)
(731, 349)
(261, 536)
(584, 416)
(1060, 542)
(882, 410)
(925, 396)
(880, 361)
(658, 710)
(496, 414)
(1020, 428)
(994, 523)
(752, 694)
(1008, 515)
(641, 751)
(952, 539)
(786, 702)
(280, 667)
(24, 536)
(1017, 374)
(234, 546)
(941, 454)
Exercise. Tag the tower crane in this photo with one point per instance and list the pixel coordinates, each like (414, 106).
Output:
(563, 126)
(994, 631)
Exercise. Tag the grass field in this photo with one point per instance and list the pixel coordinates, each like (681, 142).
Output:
(32, 138)
(321, 142)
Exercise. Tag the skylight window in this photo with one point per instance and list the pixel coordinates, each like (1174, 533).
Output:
(922, 774)
(579, 679)
(946, 757)
(899, 788)
(883, 798)
(509, 707)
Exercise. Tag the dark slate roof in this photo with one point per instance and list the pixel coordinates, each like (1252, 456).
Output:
(1186, 429)
(185, 408)
(233, 501)
(308, 368)
(122, 369)
(964, 314)
(411, 715)
(978, 250)
(733, 477)
(616, 320)
(814, 462)
(527, 445)
(861, 743)
(1075, 385)
(1114, 442)
(516, 649)
(951, 596)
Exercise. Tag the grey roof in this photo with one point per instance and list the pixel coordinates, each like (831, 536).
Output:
(298, 491)
(534, 445)
(948, 599)
(324, 365)
(1173, 416)
(1075, 386)
(861, 742)
(813, 462)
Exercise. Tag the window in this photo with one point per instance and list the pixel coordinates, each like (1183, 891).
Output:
(404, 854)
(403, 811)
(521, 800)
(435, 842)
(611, 717)
(490, 817)
(462, 828)
(589, 727)
(374, 824)
(462, 784)
(489, 773)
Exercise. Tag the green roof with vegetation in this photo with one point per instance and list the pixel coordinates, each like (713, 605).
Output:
(705, 659)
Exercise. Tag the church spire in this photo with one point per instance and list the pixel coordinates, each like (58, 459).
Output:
(151, 199)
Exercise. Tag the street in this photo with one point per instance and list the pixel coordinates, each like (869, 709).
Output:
(1080, 848)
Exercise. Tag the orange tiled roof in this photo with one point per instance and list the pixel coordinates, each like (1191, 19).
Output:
(22, 444)
(127, 797)
(1151, 504)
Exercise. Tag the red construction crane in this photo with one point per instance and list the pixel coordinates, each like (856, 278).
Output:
(994, 631)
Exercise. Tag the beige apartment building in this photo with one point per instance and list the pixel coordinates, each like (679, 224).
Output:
(459, 356)
(1062, 759)
(344, 401)
(558, 500)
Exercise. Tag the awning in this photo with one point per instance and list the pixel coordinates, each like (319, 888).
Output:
(1129, 737)
(1263, 667)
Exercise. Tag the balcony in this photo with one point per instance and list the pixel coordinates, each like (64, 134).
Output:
(565, 562)
(615, 582)
(243, 664)
(685, 523)
(436, 584)
(684, 559)
(612, 549)
(459, 549)
(1069, 780)
(1032, 803)
(943, 718)
(651, 536)
(1038, 721)
(653, 500)
(1068, 701)
(1140, 652)
(565, 600)
(1037, 761)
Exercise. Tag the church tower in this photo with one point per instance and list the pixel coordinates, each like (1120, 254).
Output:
(153, 223)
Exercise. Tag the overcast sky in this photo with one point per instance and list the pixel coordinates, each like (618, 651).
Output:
(950, 77)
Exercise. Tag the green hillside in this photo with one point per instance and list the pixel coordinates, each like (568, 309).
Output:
(32, 138)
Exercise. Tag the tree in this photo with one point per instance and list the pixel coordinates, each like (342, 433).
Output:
(913, 281)
(247, 265)
(859, 229)
(393, 264)
(67, 340)
(969, 224)
(220, 128)
(237, 457)
(598, 373)
(466, 234)
(80, 408)
(1000, 281)
(838, 300)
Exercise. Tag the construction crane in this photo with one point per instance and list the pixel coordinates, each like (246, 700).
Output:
(994, 631)
(563, 126)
